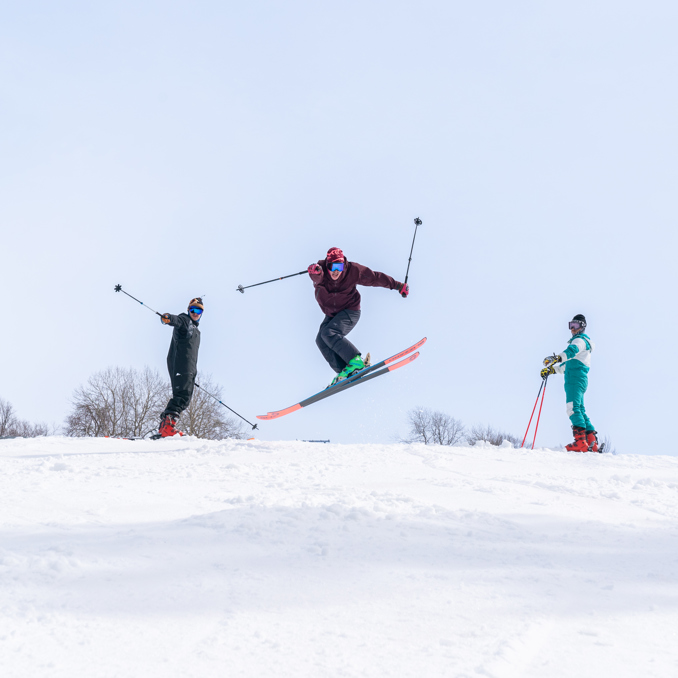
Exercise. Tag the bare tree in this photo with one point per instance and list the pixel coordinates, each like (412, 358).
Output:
(118, 402)
(128, 403)
(446, 430)
(419, 420)
(490, 435)
(433, 428)
(12, 427)
(206, 418)
(7, 418)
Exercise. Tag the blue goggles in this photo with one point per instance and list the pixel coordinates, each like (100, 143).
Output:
(195, 309)
(337, 266)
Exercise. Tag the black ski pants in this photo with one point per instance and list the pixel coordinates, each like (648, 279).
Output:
(182, 392)
(332, 341)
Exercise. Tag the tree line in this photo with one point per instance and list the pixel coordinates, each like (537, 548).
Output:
(437, 428)
(13, 427)
(127, 403)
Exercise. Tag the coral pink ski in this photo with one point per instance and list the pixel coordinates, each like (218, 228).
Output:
(376, 370)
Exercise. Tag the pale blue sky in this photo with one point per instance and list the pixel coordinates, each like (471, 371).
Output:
(185, 148)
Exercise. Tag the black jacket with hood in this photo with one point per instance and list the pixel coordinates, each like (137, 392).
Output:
(182, 359)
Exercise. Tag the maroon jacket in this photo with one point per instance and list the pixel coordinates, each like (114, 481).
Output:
(342, 294)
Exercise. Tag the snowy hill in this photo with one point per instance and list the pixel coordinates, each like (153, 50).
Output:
(191, 558)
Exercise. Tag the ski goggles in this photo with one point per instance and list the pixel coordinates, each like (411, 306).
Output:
(575, 325)
(337, 266)
(195, 309)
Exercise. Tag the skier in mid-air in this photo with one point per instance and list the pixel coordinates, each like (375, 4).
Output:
(182, 363)
(574, 362)
(335, 280)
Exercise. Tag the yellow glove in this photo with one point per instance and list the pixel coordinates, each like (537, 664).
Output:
(165, 318)
(547, 371)
(552, 360)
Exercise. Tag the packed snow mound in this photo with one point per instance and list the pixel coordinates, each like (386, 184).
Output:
(182, 557)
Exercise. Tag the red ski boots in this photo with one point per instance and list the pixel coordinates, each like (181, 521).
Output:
(580, 443)
(592, 440)
(168, 427)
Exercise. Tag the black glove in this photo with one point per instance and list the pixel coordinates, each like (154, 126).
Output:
(552, 360)
(165, 318)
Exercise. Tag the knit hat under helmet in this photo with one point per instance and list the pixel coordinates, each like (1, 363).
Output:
(197, 302)
(334, 254)
(580, 319)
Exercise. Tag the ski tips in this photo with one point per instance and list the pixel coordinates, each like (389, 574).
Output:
(404, 362)
(398, 356)
(279, 413)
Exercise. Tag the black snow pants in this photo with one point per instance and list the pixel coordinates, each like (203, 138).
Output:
(332, 341)
(182, 392)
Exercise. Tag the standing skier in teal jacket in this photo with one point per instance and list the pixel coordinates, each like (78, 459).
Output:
(574, 362)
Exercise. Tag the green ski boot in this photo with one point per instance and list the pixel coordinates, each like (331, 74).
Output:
(354, 365)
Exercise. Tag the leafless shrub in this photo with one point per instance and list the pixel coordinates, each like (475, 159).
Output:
(609, 448)
(25, 429)
(12, 427)
(206, 418)
(490, 435)
(7, 418)
(433, 428)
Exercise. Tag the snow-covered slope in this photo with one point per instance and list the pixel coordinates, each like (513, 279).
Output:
(189, 558)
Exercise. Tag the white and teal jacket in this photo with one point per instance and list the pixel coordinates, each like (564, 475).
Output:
(576, 358)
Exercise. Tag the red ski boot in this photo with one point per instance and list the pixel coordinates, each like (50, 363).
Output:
(592, 440)
(168, 427)
(580, 444)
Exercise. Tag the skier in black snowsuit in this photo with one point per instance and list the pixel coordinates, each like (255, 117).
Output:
(182, 363)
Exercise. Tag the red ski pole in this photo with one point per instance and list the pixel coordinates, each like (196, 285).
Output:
(536, 427)
(543, 381)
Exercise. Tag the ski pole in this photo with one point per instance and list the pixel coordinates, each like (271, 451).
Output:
(536, 427)
(227, 407)
(118, 288)
(543, 381)
(417, 223)
(242, 289)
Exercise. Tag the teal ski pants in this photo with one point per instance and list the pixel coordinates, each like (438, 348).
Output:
(575, 388)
